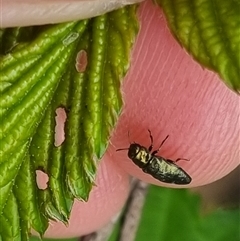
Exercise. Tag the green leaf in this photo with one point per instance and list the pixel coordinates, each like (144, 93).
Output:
(29, 207)
(173, 215)
(10, 223)
(39, 75)
(167, 214)
(229, 222)
(209, 30)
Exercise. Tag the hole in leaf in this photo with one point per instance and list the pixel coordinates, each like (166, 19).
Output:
(81, 61)
(41, 179)
(70, 38)
(60, 119)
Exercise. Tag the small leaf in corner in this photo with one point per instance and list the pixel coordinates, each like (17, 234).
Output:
(209, 30)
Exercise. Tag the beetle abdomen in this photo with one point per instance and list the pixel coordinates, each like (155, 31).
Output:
(166, 171)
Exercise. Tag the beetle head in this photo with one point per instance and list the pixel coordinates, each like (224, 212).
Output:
(133, 150)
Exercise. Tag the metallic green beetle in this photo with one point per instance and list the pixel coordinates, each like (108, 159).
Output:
(164, 170)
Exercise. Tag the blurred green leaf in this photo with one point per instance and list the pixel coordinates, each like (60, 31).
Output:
(115, 234)
(221, 225)
(169, 214)
(209, 30)
(173, 215)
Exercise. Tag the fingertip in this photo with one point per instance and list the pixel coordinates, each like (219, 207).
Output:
(169, 93)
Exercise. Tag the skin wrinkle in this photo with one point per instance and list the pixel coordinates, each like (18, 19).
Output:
(212, 123)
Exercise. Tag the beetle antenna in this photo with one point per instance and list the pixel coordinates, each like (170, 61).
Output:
(122, 149)
(163, 142)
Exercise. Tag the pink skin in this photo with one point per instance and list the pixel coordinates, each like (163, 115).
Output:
(167, 92)
(81, 61)
(60, 120)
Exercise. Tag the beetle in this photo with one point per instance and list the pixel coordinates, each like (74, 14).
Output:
(162, 169)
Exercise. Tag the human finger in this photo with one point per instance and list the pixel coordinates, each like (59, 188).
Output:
(169, 93)
(16, 13)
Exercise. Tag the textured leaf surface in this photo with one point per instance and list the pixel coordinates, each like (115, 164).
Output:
(40, 72)
(209, 30)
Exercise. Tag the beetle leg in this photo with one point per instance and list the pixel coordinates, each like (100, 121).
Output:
(181, 159)
(156, 151)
